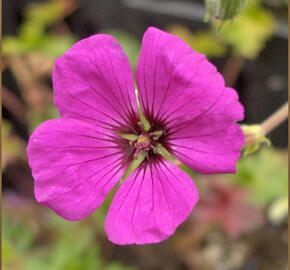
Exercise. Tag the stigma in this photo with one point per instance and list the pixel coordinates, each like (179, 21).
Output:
(143, 143)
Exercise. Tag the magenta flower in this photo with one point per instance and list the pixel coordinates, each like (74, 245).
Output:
(78, 159)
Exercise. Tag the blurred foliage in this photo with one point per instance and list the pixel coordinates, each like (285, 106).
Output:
(235, 202)
(276, 2)
(223, 9)
(36, 239)
(35, 118)
(248, 33)
(285, 2)
(206, 42)
(225, 204)
(33, 34)
(130, 44)
(45, 13)
(264, 173)
(278, 210)
(12, 146)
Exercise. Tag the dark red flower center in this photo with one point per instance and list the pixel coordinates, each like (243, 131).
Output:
(146, 141)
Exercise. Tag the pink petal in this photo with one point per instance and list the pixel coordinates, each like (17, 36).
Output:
(173, 80)
(93, 82)
(150, 204)
(75, 165)
(183, 93)
(210, 142)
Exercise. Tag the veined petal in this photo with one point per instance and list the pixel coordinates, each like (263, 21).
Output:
(173, 80)
(75, 165)
(211, 142)
(150, 204)
(93, 82)
(183, 92)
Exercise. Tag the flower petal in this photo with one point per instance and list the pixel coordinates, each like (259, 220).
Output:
(93, 81)
(74, 165)
(211, 142)
(150, 204)
(173, 80)
(182, 92)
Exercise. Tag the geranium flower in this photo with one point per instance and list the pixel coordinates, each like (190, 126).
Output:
(77, 159)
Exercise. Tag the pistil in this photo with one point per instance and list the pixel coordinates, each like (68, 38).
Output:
(144, 142)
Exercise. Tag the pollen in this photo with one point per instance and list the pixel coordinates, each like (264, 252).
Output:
(143, 139)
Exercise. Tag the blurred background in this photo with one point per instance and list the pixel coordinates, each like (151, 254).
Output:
(240, 221)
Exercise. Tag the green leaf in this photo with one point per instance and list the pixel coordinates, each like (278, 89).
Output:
(8, 253)
(133, 165)
(6, 129)
(223, 9)
(45, 13)
(56, 243)
(251, 149)
(265, 174)
(56, 46)
(12, 232)
(31, 33)
(208, 44)
(248, 33)
(13, 46)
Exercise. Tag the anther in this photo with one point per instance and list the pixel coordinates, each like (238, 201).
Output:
(157, 134)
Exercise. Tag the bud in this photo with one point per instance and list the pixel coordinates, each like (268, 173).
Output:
(223, 9)
(254, 137)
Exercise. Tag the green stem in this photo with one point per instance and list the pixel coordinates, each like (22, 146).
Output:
(143, 119)
(130, 137)
(133, 165)
(163, 152)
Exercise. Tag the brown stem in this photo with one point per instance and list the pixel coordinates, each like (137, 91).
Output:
(21, 72)
(232, 68)
(3, 65)
(12, 103)
(275, 119)
(36, 94)
(40, 65)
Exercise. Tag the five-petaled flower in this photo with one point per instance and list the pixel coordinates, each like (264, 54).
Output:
(76, 160)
